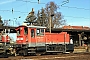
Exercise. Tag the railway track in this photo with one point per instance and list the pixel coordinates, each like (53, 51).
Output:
(76, 56)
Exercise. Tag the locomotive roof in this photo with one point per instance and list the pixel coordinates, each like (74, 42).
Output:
(36, 26)
(31, 26)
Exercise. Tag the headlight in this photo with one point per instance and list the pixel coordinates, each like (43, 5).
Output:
(8, 39)
(17, 38)
(21, 38)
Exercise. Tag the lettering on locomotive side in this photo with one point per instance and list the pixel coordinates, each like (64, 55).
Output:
(40, 39)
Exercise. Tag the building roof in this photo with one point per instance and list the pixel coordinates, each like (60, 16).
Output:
(76, 27)
(12, 29)
(67, 30)
(5, 27)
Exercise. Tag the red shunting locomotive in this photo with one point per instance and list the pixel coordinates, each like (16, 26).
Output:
(34, 40)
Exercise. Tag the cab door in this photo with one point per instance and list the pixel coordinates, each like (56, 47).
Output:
(33, 40)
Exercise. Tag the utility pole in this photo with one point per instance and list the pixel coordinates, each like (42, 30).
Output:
(50, 23)
(50, 19)
(38, 1)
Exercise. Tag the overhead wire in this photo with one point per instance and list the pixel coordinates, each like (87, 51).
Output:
(65, 2)
(13, 11)
(75, 7)
(59, 5)
(77, 17)
(27, 6)
(33, 2)
(20, 5)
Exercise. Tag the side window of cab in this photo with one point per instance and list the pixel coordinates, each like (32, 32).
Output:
(18, 32)
(25, 30)
(40, 32)
(32, 33)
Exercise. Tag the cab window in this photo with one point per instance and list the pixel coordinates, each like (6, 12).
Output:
(40, 32)
(25, 30)
(32, 33)
(18, 32)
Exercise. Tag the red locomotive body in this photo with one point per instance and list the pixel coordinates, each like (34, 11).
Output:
(59, 38)
(5, 38)
(34, 40)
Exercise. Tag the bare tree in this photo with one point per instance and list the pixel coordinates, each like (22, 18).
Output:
(44, 14)
(56, 17)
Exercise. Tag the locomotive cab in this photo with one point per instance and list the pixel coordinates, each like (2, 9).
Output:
(30, 38)
(29, 34)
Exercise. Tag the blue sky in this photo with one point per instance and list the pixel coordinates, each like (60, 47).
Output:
(73, 16)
